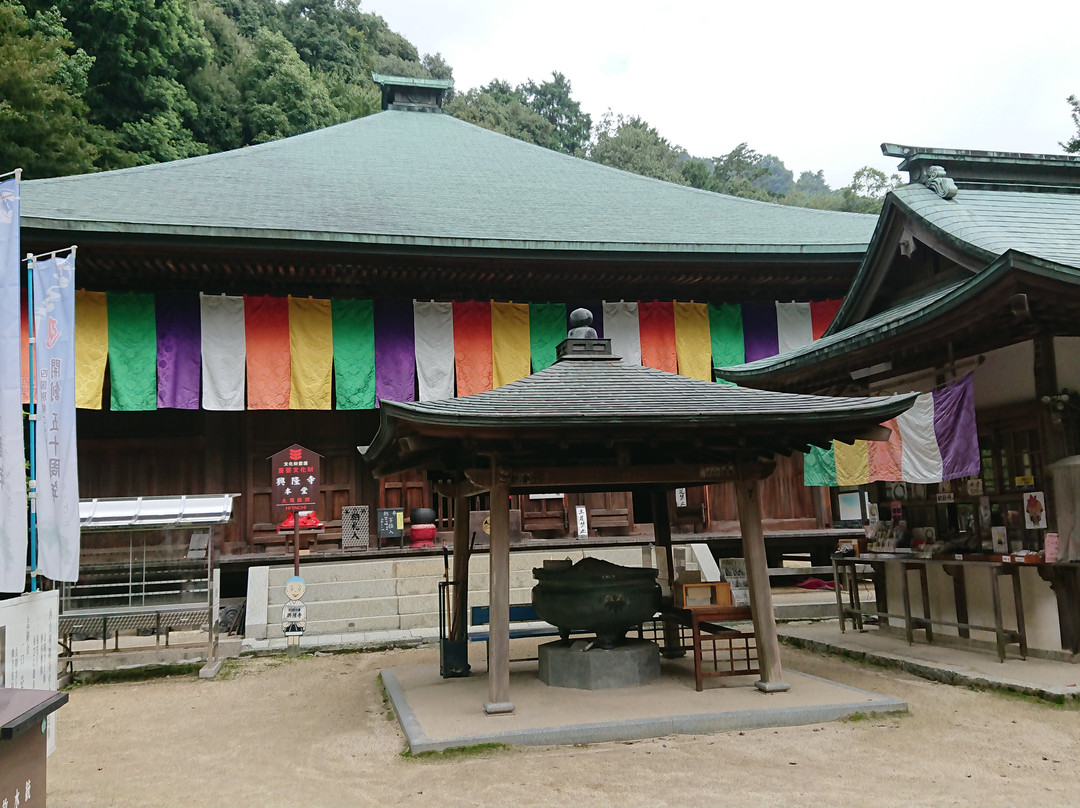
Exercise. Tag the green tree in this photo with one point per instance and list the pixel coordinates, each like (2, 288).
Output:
(1072, 145)
(777, 179)
(812, 183)
(553, 102)
(43, 119)
(632, 145)
(698, 173)
(144, 51)
(501, 108)
(866, 193)
(281, 96)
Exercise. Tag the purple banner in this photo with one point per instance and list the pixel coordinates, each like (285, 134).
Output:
(955, 430)
(760, 337)
(179, 350)
(395, 357)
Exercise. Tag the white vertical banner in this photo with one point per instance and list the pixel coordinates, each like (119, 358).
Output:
(621, 326)
(433, 330)
(224, 352)
(12, 450)
(794, 326)
(57, 470)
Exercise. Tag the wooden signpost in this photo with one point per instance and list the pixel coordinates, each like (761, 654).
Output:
(294, 487)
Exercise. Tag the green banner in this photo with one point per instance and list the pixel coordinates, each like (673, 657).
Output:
(819, 467)
(726, 333)
(354, 353)
(132, 351)
(547, 328)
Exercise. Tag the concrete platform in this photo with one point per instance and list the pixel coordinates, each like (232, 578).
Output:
(438, 714)
(1051, 679)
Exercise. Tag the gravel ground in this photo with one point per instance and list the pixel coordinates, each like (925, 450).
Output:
(315, 731)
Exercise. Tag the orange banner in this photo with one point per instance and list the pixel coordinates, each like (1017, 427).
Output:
(266, 330)
(656, 321)
(472, 346)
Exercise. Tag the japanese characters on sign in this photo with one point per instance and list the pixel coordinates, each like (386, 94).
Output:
(296, 479)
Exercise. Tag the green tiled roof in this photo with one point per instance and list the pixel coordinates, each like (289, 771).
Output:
(429, 180)
(992, 221)
(902, 318)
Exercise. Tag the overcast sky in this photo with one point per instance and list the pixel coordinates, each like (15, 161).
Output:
(819, 84)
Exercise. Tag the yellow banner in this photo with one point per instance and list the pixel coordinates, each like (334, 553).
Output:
(510, 347)
(91, 347)
(693, 343)
(311, 347)
(852, 462)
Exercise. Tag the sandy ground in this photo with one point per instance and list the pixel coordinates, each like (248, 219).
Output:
(315, 731)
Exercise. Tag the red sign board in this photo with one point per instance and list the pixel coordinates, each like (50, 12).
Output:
(295, 478)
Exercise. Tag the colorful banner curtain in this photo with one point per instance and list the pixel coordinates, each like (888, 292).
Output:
(92, 347)
(657, 323)
(726, 335)
(311, 352)
(12, 453)
(936, 440)
(433, 326)
(693, 345)
(132, 352)
(510, 344)
(224, 351)
(794, 327)
(547, 330)
(178, 349)
(472, 346)
(354, 353)
(624, 331)
(266, 332)
(395, 357)
(57, 458)
(759, 331)
(822, 313)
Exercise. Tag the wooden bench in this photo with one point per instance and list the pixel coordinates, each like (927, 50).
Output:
(524, 622)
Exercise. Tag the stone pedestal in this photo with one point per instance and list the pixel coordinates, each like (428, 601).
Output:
(567, 663)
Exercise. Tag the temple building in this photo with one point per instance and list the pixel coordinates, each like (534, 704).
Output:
(234, 304)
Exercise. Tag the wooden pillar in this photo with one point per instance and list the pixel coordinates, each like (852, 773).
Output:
(757, 578)
(460, 606)
(499, 595)
(673, 646)
(662, 530)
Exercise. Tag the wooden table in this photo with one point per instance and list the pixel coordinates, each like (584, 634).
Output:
(845, 576)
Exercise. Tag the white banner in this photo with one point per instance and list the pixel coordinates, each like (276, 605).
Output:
(12, 450)
(433, 329)
(224, 352)
(57, 470)
(621, 326)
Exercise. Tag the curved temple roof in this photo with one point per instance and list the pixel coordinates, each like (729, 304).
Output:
(419, 179)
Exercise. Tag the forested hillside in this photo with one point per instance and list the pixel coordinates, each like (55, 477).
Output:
(90, 85)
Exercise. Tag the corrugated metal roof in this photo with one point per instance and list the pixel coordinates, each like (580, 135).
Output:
(1043, 224)
(130, 513)
(423, 179)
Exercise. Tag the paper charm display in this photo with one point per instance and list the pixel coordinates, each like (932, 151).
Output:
(1034, 510)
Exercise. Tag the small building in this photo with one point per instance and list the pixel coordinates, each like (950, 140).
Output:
(974, 268)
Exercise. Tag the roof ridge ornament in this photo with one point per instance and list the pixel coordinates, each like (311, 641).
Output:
(936, 181)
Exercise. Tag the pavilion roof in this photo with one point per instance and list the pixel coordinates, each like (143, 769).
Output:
(596, 410)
